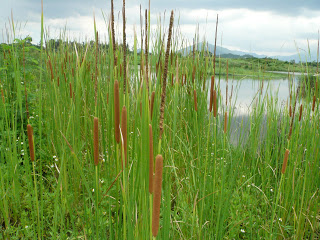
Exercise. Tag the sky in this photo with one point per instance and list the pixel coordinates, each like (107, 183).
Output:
(273, 27)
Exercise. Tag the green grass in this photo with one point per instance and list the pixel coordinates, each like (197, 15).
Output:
(211, 188)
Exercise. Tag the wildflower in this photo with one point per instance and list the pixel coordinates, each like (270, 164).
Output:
(242, 230)
(92, 190)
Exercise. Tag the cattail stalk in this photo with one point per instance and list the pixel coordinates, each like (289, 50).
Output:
(225, 122)
(152, 103)
(116, 112)
(214, 103)
(124, 134)
(30, 140)
(157, 185)
(164, 80)
(195, 100)
(211, 93)
(285, 161)
(96, 70)
(150, 160)
(124, 47)
(96, 141)
(146, 48)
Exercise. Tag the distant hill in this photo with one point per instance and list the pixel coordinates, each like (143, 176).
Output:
(227, 53)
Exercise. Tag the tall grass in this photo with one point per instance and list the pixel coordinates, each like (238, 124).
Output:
(91, 172)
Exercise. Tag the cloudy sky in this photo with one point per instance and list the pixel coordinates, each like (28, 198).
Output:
(273, 27)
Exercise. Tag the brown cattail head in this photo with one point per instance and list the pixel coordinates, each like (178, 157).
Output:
(313, 103)
(116, 112)
(151, 103)
(290, 111)
(96, 141)
(164, 80)
(150, 160)
(214, 103)
(285, 160)
(195, 100)
(30, 140)
(157, 185)
(70, 86)
(225, 122)
(300, 114)
(124, 133)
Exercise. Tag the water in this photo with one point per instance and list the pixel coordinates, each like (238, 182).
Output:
(245, 93)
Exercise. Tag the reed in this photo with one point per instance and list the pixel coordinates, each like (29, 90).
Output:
(124, 134)
(146, 49)
(150, 160)
(157, 185)
(164, 79)
(30, 141)
(116, 112)
(96, 141)
(211, 93)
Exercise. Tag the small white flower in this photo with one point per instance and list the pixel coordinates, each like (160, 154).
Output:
(21, 143)
(248, 185)
(101, 180)
(103, 160)
(54, 156)
(243, 176)
(26, 226)
(271, 189)
(52, 166)
(92, 190)
(280, 219)
(242, 230)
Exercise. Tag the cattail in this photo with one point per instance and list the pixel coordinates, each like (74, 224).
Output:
(70, 87)
(58, 81)
(96, 141)
(300, 114)
(214, 103)
(285, 161)
(290, 111)
(225, 122)
(164, 80)
(124, 133)
(116, 112)
(313, 103)
(2, 94)
(150, 160)
(151, 103)
(157, 184)
(195, 100)
(113, 35)
(124, 47)
(30, 140)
